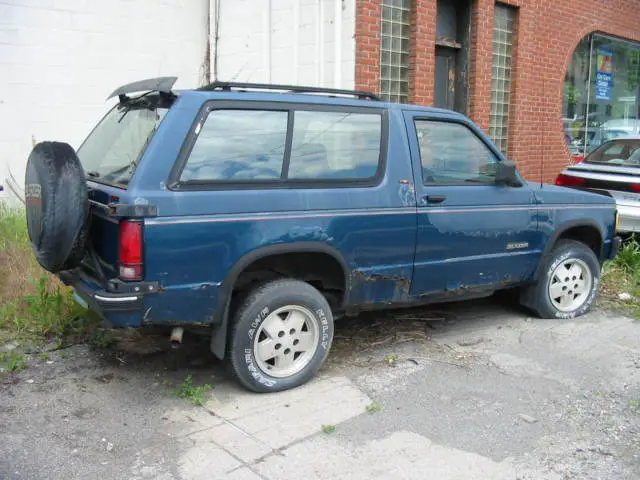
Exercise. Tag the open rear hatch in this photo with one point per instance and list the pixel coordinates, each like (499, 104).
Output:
(110, 156)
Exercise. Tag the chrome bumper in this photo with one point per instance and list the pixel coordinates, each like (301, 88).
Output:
(628, 218)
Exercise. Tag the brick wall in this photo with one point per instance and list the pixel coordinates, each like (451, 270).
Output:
(547, 32)
(59, 59)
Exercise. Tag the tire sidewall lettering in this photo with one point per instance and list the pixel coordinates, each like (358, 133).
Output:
(249, 358)
(259, 318)
(254, 371)
(324, 328)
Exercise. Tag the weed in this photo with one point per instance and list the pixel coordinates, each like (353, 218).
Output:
(194, 394)
(391, 359)
(102, 338)
(628, 258)
(12, 361)
(44, 356)
(35, 306)
(374, 407)
(328, 428)
(50, 313)
(622, 275)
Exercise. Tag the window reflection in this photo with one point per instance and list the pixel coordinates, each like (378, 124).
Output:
(601, 93)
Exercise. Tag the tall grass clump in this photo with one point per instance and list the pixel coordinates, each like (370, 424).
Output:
(35, 307)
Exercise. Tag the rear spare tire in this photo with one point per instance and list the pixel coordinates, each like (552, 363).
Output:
(57, 206)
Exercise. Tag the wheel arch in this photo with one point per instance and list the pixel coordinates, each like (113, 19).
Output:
(221, 328)
(574, 230)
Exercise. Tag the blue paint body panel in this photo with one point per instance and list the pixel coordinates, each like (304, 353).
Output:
(395, 247)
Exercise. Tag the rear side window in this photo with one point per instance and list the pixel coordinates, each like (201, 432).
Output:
(335, 145)
(617, 152)
(237, 146)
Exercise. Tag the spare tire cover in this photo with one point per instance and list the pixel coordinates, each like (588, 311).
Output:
(57, 206)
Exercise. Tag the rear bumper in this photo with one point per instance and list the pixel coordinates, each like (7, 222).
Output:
(120, 304)
(628, 218)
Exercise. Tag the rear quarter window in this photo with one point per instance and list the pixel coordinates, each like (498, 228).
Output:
(238, 145)
(617, 152)
(335, 145)
(274, 146)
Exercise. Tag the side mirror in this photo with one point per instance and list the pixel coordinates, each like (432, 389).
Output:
(506, 174)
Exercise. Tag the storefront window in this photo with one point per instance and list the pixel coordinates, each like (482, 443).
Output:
(601, 93)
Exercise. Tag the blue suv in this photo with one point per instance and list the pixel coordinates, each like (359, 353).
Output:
(265, 212)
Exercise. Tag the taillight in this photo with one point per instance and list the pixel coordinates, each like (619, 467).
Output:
(635, 187)
(130, 251)
(569, 181)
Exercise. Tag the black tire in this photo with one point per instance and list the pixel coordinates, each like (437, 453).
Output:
(537, 296)
(57, 206)
(250, 317)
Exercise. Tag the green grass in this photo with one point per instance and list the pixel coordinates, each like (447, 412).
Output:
(35, 307)
(12, 361)
(622, 275)
(195, 395)
(13, 228)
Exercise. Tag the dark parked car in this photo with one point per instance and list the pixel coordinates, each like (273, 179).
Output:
(266, 212)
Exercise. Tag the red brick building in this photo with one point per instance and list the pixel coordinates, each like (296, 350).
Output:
(516, 67)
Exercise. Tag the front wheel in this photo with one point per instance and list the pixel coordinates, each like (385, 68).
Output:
(568, 283)
(281, 336)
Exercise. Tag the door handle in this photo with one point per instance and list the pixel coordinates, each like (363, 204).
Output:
(434, 198)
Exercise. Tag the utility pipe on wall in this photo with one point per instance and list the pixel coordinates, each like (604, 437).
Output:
(337, 25)
(267, 40)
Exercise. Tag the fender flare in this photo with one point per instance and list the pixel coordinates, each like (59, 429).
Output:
(219, 335)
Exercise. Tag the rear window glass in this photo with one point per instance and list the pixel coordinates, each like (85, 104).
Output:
(335, 145)
(238, 145)
(617, 152)
(112, 150)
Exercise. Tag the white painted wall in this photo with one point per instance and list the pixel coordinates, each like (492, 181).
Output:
(59, 59)
(299, 42)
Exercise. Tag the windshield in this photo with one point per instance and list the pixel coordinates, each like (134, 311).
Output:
(111, 152)
(617, 152)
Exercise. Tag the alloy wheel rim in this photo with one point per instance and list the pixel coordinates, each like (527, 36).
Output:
(286, 341)
(570, 285)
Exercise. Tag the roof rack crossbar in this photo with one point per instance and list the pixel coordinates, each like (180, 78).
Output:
(228, 86)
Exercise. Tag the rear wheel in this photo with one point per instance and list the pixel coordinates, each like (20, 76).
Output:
(568, 284)
(281, 336)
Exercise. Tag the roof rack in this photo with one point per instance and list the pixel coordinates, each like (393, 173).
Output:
(228, 86)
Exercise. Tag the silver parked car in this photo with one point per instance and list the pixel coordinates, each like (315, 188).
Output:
(613, 166)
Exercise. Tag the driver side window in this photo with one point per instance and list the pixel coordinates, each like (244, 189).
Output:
(450, 153)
